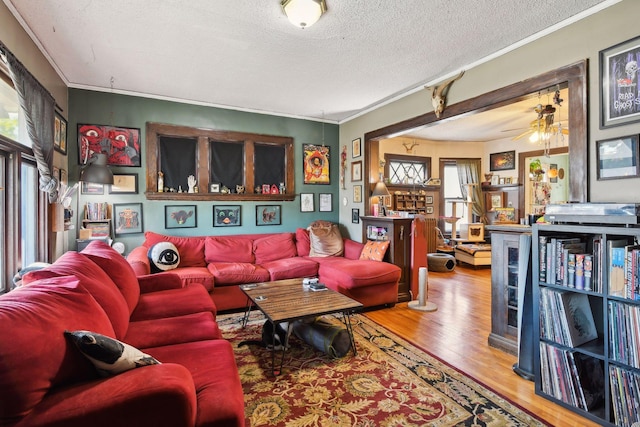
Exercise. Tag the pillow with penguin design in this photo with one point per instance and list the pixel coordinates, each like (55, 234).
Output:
(163, 256)
(108, 355)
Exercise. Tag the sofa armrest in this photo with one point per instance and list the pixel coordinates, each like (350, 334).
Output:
(139, 260)
(159, 282)
(352, 249)
(152, 395)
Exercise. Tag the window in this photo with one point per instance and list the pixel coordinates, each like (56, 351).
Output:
(407, 169)
(217, 160)
(453, 197)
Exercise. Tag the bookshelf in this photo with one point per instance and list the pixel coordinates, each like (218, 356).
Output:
(587, 339)
(97, 219)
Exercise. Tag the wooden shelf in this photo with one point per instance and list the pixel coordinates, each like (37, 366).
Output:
(229, 197)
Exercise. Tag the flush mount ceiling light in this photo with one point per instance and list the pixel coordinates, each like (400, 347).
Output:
(303, 13)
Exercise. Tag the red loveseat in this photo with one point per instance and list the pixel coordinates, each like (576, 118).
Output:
(45, 380)
(222, 263)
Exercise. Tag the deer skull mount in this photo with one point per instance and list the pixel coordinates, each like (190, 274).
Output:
(438, 98)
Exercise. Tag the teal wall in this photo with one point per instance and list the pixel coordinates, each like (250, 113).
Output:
(130, 111)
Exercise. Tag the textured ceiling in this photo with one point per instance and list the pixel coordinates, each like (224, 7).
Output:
(245, 54)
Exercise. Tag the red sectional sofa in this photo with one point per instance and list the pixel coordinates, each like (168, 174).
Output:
(222, 263)
(45, 380)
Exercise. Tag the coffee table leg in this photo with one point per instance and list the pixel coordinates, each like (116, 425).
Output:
(346, 319)
(275, 371)
(247, 311)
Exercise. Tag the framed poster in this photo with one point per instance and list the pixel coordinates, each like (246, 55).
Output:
(326, 202)
(121, 145)
(180, 216)
(502, 161)
(127, 218)
(316, 164)
(60, 133)
(356, 145)
(268, 215)
(356, 171)
(618, 158)
(227, 215)
(355, 215)
(306, 202)
(357, 194)
(124, 183)
(91, 188)
(619, 85)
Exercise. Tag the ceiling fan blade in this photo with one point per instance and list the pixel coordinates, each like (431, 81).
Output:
(523, 134)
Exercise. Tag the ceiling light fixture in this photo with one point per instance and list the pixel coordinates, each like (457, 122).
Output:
(303, 13)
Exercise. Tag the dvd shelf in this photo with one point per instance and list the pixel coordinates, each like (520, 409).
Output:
(587, 302)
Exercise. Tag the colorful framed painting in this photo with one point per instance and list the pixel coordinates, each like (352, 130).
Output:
(120, 144)
(60, 134)
(618, 158)
(502, 161)
(268, 215)
(227, 215)
(505, 215)
(180, 216)
(316, 164)
(619, 84)
(127, 218)
(124, 183)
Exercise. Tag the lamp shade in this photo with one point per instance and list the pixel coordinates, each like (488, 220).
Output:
(304, 13)
(380, 190)
(97, 171)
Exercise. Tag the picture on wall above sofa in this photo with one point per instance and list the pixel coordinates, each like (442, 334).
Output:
(227, 215)
(120, 144)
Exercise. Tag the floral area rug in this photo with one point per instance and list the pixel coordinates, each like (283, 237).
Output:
(388, 383)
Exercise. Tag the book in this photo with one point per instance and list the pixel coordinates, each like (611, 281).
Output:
(542, 261)
(579, 281)
(571, 270)
(588, 272)
(616, 266)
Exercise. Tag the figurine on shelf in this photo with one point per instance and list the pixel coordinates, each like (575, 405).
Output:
(160, 182)
(282, 188)
(191, 181)
(240, 189)
(274, 189)
(258, 189)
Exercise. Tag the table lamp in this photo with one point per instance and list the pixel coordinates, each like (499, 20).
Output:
(379, 191)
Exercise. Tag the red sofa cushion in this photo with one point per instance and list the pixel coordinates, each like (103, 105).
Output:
(173, 302)
(117, 268)
(291, 268)
(191, 249)
(303, 242)
(34, 352)
(189, 275)
(97, 282)
(229, 249)
(173, 330)
(357, 273)
(234, 273)
(271, 248)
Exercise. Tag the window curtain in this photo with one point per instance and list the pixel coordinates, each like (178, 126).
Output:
(469, 173)
(38, 107)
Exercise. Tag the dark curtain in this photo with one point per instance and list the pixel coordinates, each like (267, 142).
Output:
(177, 161)
(227, 164)
(469, 173)
(38, 107)
(269, 164)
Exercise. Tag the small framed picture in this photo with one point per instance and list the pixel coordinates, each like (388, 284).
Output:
(127, 218)
(266, 189)
(495, 180)
(92, 188)
(125, 183)
(355, 147)
(356, 171)
(355, 215)
(180, 216)
(428, 200)
(326, 202)
(306, 202)
(618, 84)
(268, 215)
(502, 181)
(357, 194)
(618, 158)
(60, 134)
(429, 210)
(214, 188)
(227, 215)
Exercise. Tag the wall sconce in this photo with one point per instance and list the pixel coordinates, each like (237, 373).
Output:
(97, 170)
(304, 13)
(379, 191)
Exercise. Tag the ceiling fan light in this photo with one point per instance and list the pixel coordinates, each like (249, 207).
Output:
(304, 13)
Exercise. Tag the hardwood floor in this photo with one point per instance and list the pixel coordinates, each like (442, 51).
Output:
(457, 334)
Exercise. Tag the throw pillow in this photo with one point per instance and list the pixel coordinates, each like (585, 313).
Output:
(374, 250)
(325, 239)
(163, 256)
(108, 355)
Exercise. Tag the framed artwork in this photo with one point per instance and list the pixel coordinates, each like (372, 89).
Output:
(316, 164)
(306, 202)
(357, 194)
(60, 133)
(180, 216)
(428, 200)
(495, 180)
(121, 145)
(64, 177)
(494, 199)
(214, 188)
(268, 215)
(355, 215)
(476, 232)
(227, 215)
(502, 161)
(618, 158)
(505, 215)
(124, 183)
(356, 171)
(326, 202)
(619, 85)
(92, 188)
(502, 180)
(356, 144)
(429, 210)
(127, 218)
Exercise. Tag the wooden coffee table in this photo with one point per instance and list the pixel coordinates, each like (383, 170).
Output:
(285, 301)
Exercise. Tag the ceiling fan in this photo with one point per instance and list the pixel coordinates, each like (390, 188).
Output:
(544, 124)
